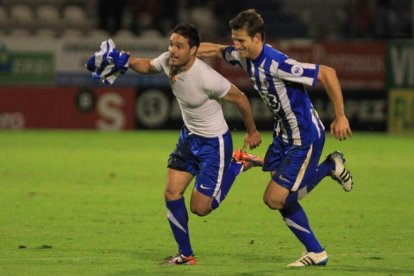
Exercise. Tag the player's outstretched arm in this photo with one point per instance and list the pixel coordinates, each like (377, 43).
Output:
(235, 96)
(141, 65)
(208, 49)
(340, 125)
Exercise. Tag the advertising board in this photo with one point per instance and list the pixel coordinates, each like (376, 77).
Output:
(67, 108)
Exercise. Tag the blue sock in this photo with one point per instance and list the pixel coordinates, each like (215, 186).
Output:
(178, 218)
(295, 218)
(228, 179)
(323, 170)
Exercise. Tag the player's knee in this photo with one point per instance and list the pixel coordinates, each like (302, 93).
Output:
(274, 204)
(171, 194)
(200, 210)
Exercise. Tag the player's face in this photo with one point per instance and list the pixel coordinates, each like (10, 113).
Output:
(180, 51)
(247, 46)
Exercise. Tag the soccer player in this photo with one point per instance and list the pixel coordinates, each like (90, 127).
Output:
(299, 134)
(204, 148)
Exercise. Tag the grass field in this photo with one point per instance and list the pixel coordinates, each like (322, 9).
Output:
(91, 203)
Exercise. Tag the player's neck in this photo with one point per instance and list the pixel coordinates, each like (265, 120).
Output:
(175, 70)
(188, 65)
(257, 51)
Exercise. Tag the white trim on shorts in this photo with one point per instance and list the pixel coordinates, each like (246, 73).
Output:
(302, 170)
(221, 167)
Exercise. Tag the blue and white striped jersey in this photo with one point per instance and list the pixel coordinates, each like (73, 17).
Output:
(280, 82)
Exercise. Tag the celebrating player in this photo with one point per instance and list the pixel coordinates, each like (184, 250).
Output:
(299, 134)
(204, 148)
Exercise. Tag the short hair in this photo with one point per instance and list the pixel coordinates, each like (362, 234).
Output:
(250, 20)
(188, 31)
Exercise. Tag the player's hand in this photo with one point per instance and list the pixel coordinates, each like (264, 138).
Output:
(252, 139)
(340, 128)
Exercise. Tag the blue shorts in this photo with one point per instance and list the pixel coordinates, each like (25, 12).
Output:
(293, 165)
(205, 158)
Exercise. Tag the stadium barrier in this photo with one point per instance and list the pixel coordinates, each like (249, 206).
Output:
(115, 108)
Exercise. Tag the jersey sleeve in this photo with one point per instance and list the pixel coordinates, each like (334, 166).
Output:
(159, 63)
(215, 84)
(292, 70)
(231, 55)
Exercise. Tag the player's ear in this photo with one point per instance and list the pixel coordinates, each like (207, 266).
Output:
(193, 50)
(257, 37)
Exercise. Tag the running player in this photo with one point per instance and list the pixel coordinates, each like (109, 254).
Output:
(299, 134)
(204, 148)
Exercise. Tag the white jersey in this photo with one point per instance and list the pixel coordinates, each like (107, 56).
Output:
(198, 91)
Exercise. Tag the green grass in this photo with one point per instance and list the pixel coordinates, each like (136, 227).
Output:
(91, 203)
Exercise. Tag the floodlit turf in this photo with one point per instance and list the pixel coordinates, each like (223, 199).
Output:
(91, 203)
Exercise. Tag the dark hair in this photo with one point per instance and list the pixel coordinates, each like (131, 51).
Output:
(188, 31)
(250, 20)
